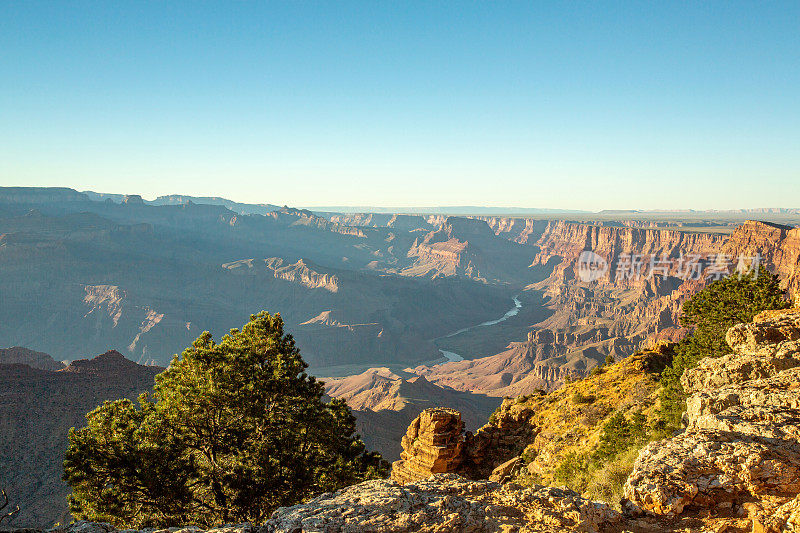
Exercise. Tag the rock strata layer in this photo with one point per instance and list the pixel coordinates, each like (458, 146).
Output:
(432, 445)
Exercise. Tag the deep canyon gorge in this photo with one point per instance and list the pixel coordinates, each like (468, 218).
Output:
(396, 313)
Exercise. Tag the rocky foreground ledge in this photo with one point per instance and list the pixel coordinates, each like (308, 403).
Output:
(444, 503)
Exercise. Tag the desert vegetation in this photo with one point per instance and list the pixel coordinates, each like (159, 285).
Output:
(710, 313)
(231, 431)
(591, 430)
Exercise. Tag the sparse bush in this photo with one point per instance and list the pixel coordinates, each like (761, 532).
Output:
(578, 398)
(528, 455)
(593, 414)
(607, 482)
(596, 371)
(573, 471)
(601, 474)
(610, 359)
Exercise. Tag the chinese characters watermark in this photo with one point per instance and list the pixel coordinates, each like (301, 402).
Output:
(593, 266)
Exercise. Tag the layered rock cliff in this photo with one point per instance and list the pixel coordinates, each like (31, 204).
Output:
(432, 445)
(634, 302)
(469, 248)
(777, 245)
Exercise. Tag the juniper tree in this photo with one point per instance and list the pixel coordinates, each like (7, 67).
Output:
(247, 431)
(711, 312)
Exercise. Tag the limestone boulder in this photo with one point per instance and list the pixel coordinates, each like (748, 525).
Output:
(444, 503)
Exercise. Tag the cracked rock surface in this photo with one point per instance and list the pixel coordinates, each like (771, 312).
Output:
(741, 446)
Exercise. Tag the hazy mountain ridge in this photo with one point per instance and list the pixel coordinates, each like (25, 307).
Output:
(167, 262)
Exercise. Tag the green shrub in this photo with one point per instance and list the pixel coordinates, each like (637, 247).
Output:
(233, 430)
(619, 435)
(529, 455)
(573, 471)
(579, 398)
(711, 312)
(495, 415)
(601, 474)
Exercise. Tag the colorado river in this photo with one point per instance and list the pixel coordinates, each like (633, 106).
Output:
(452, 356)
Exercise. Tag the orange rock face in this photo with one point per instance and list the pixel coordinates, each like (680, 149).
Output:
(432, 445)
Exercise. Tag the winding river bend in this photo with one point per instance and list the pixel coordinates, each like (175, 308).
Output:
(452, 356)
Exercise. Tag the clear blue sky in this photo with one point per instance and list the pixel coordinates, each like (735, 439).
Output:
(585, 105)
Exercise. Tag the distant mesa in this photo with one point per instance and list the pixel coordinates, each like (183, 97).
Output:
(133, 199)
(40, 195)
(110, 362)
(459, 227)
(409, 223)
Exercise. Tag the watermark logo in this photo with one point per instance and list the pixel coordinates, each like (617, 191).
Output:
(591, 266)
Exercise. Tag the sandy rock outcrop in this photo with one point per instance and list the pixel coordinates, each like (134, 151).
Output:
(436, 443)
(444, 503)
(741, 446)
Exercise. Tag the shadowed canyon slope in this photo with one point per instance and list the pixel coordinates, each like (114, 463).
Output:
(357, 291)
(37, 408)
(79, 277)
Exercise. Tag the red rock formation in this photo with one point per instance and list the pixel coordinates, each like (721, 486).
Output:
(613, 315)
(777, 245)
(432, 445)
